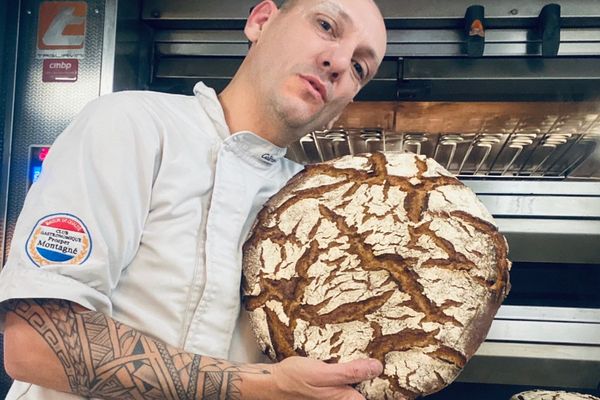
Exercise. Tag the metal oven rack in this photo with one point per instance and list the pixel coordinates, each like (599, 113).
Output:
(509, 140)
(554, 152)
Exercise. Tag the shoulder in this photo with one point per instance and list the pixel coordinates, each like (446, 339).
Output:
(138, 103)
(143, 113)
(132, 118)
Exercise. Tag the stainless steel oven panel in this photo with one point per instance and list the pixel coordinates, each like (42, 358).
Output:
(544, 346)
(556, 314)
(498, 42)
(428, 13)
(545, 221)
(185, 11)
(542, 325)
(7, 97)
(534, 364)
(42, 110)
(552, 240)
(496, 10)
(525, 206)
(529, 187)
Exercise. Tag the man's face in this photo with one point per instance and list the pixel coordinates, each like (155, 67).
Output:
(311, 60)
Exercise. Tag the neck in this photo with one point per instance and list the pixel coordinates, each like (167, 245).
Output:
(245, 111)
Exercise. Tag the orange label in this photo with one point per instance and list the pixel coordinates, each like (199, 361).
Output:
(61, 26)
(477, 29)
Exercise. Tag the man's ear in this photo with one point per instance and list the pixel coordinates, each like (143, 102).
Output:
(259, 16)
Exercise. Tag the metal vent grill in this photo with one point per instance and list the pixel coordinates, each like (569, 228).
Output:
(534, 154)
(507, 140)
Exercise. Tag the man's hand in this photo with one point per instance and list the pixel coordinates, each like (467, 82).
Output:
(304, 378)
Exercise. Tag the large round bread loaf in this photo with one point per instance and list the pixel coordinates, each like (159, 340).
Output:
(378, 255)
(552, 395)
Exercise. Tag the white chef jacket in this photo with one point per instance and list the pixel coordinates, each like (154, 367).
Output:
(141, 212)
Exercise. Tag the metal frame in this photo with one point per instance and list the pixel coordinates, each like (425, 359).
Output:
(14, 9)
(556, 207)
(408, 13)
(401, 42)
(515, 187)
(109, 47)
(435, 68)
(544, 346)
(495, 11)
(498, 42)
(553, 221)
(534, 364)
(547, 325)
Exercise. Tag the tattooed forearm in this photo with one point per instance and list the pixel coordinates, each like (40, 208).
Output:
(105, 359)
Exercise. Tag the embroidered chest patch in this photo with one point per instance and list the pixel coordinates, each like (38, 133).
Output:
(59, 239)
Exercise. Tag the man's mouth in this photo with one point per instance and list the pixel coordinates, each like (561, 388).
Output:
(317, 86)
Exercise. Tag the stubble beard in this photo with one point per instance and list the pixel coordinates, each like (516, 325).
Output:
(294, 117)
(294, 122)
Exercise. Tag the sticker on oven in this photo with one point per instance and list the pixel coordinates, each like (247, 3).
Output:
(61, 239)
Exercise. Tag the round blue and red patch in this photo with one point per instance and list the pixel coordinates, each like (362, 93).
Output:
(59, 239)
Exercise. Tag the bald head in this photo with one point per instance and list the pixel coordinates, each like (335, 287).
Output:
(288, 4)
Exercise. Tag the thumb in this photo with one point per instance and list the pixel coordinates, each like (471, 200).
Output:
(351, 372)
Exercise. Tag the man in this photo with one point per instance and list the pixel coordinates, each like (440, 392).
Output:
(123, 277)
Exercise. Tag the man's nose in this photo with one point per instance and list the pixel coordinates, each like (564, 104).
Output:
(335, 61)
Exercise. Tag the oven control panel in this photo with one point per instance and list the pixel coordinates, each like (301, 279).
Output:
(37, 155)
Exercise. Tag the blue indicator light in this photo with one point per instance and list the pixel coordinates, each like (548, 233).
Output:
(36, 170)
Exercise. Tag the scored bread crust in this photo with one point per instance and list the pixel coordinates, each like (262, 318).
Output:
(552, 395)
(382, 255)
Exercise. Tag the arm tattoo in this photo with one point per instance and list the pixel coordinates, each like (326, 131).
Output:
(103, 358)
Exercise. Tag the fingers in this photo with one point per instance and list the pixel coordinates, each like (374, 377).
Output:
(351, 372)
(352, 394)
(344, 393)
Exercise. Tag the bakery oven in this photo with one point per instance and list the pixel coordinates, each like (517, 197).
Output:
(506, 95)
(513, 110)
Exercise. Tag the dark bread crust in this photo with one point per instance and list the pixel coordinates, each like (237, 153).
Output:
(552, 395)
(352, 259)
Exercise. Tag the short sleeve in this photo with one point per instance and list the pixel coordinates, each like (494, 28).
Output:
(82, 221)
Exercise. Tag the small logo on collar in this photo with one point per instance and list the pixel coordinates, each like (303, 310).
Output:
(269, 158)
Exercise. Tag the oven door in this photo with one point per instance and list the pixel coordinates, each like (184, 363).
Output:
(519, 124)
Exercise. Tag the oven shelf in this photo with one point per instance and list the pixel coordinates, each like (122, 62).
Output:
(526, 140)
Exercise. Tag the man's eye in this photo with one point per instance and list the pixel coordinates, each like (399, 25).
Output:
(325, 25)
(359, 70)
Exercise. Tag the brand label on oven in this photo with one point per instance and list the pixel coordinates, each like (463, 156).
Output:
(59, 239)
(61, 29)
(60, 70)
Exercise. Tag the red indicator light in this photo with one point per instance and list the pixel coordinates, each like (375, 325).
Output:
(43, 153)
